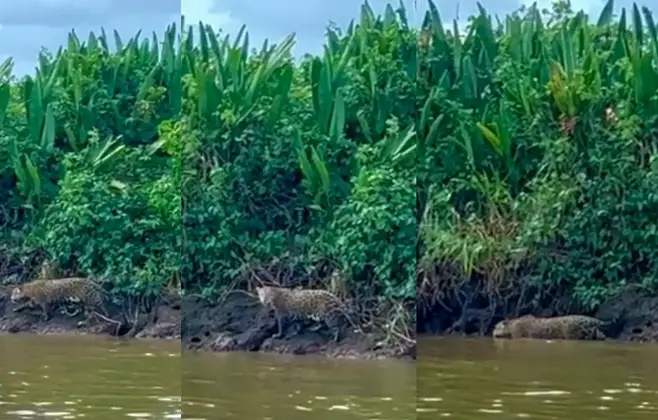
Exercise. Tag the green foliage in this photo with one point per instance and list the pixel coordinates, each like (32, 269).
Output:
(529, 146)
(90, 169)
(309, 162)
(119, 158)
(537, 150)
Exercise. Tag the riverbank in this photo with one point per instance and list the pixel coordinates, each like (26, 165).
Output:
(162, 323)
(633, 316)
(235, 326)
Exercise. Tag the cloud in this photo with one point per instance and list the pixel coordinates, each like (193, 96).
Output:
(462, 9)
(275, 19)
(308, 19)
(69, 13)
(207, 12)
(28, 25)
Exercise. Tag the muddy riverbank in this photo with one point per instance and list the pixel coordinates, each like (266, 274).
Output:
(632, 316)
(236, 325)
(162, 322)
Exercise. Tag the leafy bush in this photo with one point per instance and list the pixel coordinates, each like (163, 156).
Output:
(135, 162)
(537, 160)
(530, 146)
(90, 167)
(303, 165)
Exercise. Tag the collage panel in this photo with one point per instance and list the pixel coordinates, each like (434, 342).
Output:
(298, 185)
(89, 210)
(538, 253)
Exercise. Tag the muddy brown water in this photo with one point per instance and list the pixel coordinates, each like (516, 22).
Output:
(277, 387)
(70, 377)
(532, 379)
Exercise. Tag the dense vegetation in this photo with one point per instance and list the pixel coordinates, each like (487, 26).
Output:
(538, 169)
(302, 170)
(514, 164)
(289, 170)
(88, 174)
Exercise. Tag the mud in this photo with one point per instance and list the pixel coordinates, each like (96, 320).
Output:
(163, 322)
(633, 316)
(238, 324)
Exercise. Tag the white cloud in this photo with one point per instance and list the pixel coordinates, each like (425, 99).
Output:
(275, 19)
(206, 12)
(29, 25)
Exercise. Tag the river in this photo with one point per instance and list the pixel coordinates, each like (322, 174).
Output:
(533, 379)
(276, 387)
(70, 377)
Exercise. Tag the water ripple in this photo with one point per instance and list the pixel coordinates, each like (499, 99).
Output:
(529, 380)
(86, 379)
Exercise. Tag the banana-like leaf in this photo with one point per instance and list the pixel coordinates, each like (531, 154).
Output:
(48, 132)
(5, 95)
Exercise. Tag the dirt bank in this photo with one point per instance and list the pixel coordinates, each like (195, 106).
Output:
(235, 326)
(163, 322)
(633, 316)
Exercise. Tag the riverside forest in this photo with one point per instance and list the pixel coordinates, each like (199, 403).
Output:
(538, 168)
(90, 166)
(435, 178)
(301, 172)
(192, 164)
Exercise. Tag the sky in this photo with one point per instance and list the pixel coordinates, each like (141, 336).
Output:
(274, 19)
(28, 25)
